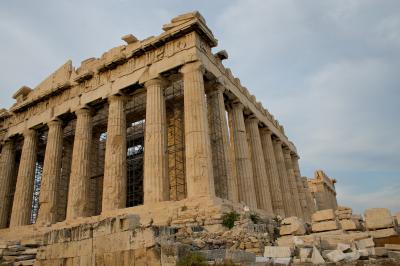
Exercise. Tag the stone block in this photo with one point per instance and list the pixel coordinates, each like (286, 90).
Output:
(395, 247)
(352, 256)
(305, 253)
(397, 218)
(382, 233)
(365, 243)
(282, 261)
(335, 256)
(277, 252)
(377, 218)
(323, 215)
(380, 251)
(325, 226)
(316, 257)
(365, 252)
(236, 256)
(129, 222)
(394, 254)
(285, 241)
(295, 228)
(343, 246)
(290, 220)
(343, 216)
(348, 225)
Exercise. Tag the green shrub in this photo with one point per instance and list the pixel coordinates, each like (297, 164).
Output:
(228, 219)
(192, 259)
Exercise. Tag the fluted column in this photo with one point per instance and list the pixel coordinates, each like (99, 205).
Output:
(155, 181)
(244, 168)
(261, 182)
(22, 206)
(300, 187)
(292, 182)
(7, 166)
(51, 174)
(225, 185)
(78, 193)
(284, 180)
(272, 172)
(199, 171)
(114, 183)
(234, 187)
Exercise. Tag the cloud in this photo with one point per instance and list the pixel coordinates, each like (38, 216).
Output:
(328, 70)
(387, 196)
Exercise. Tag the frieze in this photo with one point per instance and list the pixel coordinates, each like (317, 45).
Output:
(88, 78)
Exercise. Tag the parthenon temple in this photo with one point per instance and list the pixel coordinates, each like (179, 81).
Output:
(153, 122)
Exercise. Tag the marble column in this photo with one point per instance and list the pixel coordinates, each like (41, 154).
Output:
(199, 168)
(51, 174)
(115, 173)
(234, 187)
(244, 167)
(7, 166)
(284, 180)
(22, 206)
(272, 172)
(261, 182)
(78, 193)
(225, 185)
(300, 187)
(292, 182)
(155, 180)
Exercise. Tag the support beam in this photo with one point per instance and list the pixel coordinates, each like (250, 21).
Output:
(51, 174)
(292, 182)
(244, 168)
(155, 180)
(225, 186)
(22, 206)
(7, 164)
(261, 181)
(272, 172)
(300, 187)
(115, 175)
(284, 180)
(78, 193)
(199, 171)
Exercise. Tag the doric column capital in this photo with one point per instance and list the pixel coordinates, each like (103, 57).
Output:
(295, 155)
(266, 131)
(252, 119)
(159, 81)
(191, 67)
(286, 150)
(29, 132)
(116, 97)
(277, 140)
(214, 87)
(83, 111)
(55, 122)
(237, 105)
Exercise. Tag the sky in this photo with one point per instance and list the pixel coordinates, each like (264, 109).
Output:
(328, 70)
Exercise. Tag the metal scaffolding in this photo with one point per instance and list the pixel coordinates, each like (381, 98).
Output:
(135, 149)
(176, 141)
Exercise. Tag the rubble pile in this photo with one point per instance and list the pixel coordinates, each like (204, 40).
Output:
(18, 252)
(330, 241)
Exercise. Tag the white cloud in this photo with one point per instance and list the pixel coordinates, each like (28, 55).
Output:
(326, 69)
(387, 196)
